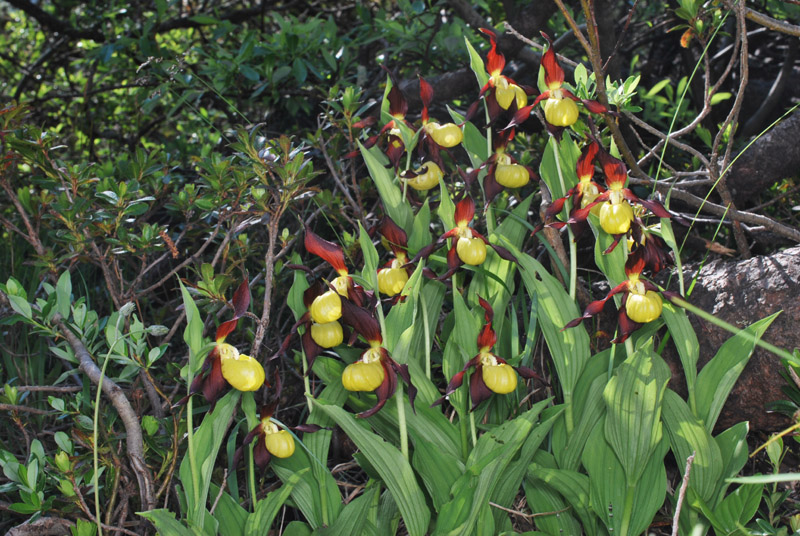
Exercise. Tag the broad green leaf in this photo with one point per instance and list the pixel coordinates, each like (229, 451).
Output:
(573, 486)
(553, 513)
(569, 347)
(736, 510)
(297, 528)
(64, 295)
(633, 402)
(498, 288)
(166, 524)
(393, 469)
(507, 488)
(447, 208)
(438, 471)
(370, 270)
(716, 380)
(229, 513)
(686, 436)
(474, 142)
(306, 492)
(207, 441)
(420, 235)
(260, 521)
(569, 454)
(733, 447)
(295, 298)
(486, 466)
(353, 517)
(685, 340)
(193, 334)
(549, 169)
(21, 306)
(612, 264)
(391, 195)
(608, 488)
(476, 64)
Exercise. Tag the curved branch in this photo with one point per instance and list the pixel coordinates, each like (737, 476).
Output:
(133, 428)
(772, 24)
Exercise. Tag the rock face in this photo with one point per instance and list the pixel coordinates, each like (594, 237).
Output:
(742, 292)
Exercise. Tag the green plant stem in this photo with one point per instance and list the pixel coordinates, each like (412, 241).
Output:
(472, 429)
(629, 348)
(489, 209)
(96, 419)
(568, 417)
(306, 381)
(427, 331)
(251, 476)
(401, 420)
(95, 456)
(573, 247)
(627, 512)
(462, 422)
(780, 352)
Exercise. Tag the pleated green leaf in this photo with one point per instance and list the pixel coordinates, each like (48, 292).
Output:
(687, 435)
(353, 518)
(390, 193)
(259, 522)
(716, 380)
(685, 340)
(574, 487)
(633, 399)
(569, 347)
(392, 467)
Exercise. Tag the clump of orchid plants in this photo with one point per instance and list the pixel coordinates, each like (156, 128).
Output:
(491, 373)
(224, 365)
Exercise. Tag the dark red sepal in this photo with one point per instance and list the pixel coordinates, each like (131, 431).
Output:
(487, 337)
(225, 329)
(617, 238)
(328, 251)
(626, 325)
(478, 391)
(214, 384)
(362, 321)
(495, 62)
(465, 211)
(586, 161)
(553, 73)
(394, 234)
(241, 299)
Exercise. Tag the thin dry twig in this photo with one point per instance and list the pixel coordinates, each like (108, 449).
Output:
(682, 494)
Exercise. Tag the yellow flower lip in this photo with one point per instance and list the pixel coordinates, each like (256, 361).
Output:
(328, 335)
(242, 372)
(326, 307)
(363, 376)
(280, 443)
(470, 250)
(500, 378)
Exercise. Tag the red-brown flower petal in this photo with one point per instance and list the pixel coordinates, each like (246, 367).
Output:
(328, 251)
(488, 312)
(553, 73)
(586, 161)
(394, 234)
(241, 299)
(495, 62)
(426, 96)
(214, 384)
(477, 389)
(362, 321)
(487, 337)
(225, 329)
(465, 211)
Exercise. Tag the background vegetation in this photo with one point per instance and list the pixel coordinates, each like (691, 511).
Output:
(147, 143)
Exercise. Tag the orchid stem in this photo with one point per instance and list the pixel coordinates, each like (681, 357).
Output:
(472, 429)
(427, 331)
(573, 247)
(306, 381)
(95, 456)
(251, 476)
(489, 210)
(401, 420)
